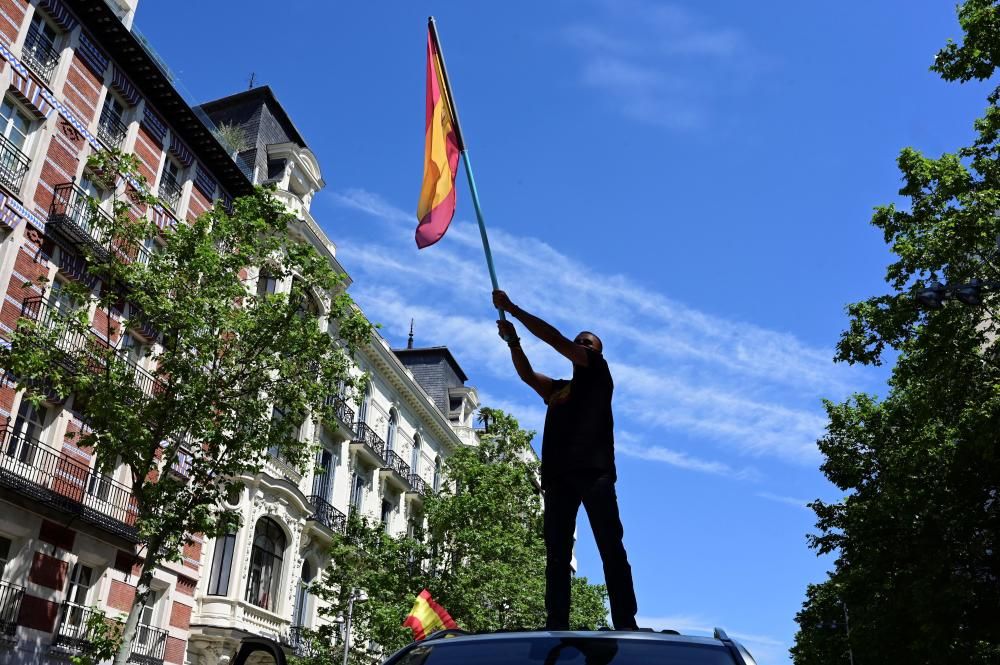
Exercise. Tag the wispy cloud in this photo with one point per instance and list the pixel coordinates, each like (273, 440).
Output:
(628, 444)
(679, 372)
(787, 500)
(661, 63)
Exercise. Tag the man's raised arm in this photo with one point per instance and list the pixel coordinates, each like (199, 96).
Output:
(539, 382)
(542, 330)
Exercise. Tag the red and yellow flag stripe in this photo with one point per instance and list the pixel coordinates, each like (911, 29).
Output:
(427, 616)
(437, 195)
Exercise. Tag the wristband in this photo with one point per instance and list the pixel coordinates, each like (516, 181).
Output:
(516, 341)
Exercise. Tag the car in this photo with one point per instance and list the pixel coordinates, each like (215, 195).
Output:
(602, 647)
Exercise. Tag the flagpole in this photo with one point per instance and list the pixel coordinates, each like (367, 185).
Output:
(432, 26)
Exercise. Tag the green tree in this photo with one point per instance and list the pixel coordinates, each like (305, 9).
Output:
(916, 536)
(229, 360)
(479, 551)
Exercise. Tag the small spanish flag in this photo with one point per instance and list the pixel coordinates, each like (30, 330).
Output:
(441, 150)
(427, 616)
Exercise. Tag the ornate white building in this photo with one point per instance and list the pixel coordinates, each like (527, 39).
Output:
(78, 80)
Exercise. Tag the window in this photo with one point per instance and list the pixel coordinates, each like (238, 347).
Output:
(415, 456)
(386, 514)
(15, 125)
(40, 53)
(77, 595)
(437, 474)
(263, 583)
(26, 435)
(302, 597)
(222, 565)
(390, 437)
(267, 283)
(170, 183)
(148, 639)
(357, 492)
(323, 480)
(365, 403)
(133, 349)
(111, 127)
(5, 550)
(78, 586)
(61, 301)
(147, 616)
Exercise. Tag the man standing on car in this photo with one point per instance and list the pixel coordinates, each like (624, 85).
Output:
(578, 464)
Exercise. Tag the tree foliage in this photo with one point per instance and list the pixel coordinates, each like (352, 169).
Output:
(917, 574)
(224, 356)
(479, 551)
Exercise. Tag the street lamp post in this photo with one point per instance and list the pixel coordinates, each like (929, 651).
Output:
(357, 595)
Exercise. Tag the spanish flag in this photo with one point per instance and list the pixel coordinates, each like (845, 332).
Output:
(427, 616)
(441, 150)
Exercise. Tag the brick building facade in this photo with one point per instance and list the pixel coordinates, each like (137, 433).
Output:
(76, 79)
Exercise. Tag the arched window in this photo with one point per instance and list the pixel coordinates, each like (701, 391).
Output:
(437, 474)
(415, 456)
(390, 437)
(366, 399)
(267, 553)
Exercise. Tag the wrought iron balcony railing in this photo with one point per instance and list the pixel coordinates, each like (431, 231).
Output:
(10, 607)
(110, 128)
(418, 484)
(73, 215)
(344, 412)
(71, 631)
(13, 165)
(148, 646)
(327, 515)
(396, 463)
(41, 473)
(367, 436)
(170, 191)
(72, 342)
(39, 55)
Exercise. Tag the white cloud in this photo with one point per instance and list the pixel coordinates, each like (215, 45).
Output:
(788, 500)
(679, 372)
(626, 444)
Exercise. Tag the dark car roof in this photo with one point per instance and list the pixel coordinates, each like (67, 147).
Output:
(592, 634)
(442, 637)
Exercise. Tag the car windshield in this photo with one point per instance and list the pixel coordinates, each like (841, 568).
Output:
(566, 651)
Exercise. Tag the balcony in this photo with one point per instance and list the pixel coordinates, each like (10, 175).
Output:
(396, 470)
(368, 446)
(73, 342)
(74, 216)
(40, 56)
(170, 191)
(344, 413)
(10, 607)
(327, 515)
(418, 485)
(13, 165)
(71, 631)
(46, 477)
(110, 128)
(148, 646)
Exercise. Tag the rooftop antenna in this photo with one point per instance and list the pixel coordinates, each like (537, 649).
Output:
(252, 77)
(409, 342)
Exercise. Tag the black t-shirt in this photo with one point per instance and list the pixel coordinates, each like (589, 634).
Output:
(579, 427)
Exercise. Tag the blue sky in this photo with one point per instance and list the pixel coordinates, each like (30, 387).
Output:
(692, 181)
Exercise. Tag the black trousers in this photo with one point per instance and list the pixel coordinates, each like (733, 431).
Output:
(563, 497)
